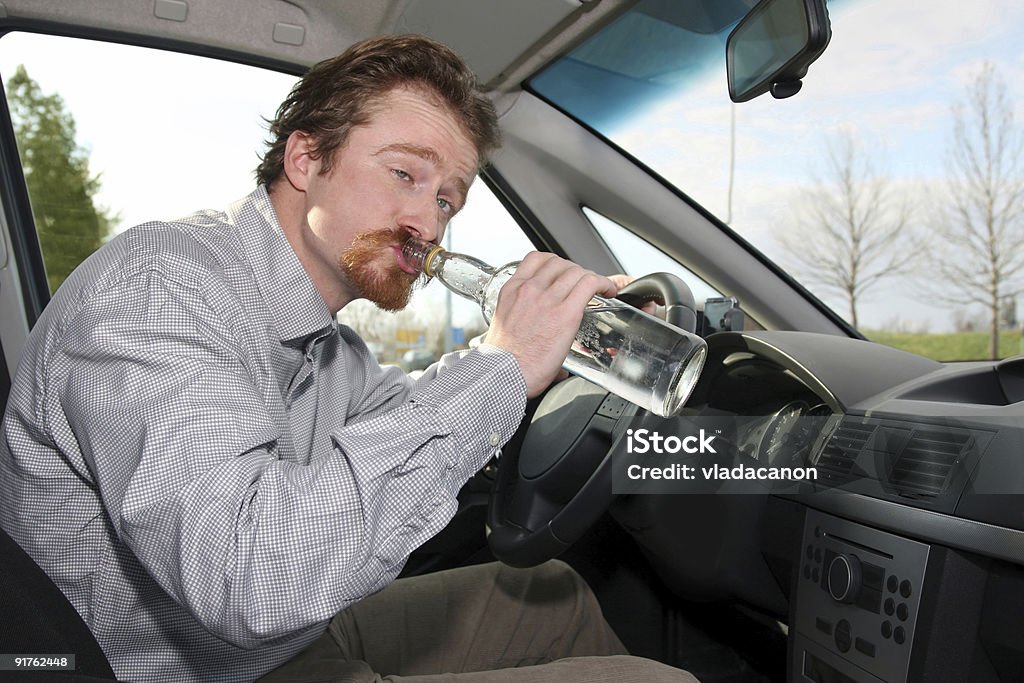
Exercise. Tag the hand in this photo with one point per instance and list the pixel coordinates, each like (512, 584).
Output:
(651, 307)
(621, 279)
(539, 312)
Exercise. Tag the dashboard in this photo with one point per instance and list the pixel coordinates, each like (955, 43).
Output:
(910, 529)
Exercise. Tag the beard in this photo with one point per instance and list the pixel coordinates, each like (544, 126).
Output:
(369, 266)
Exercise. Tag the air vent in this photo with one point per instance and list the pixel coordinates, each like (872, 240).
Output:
(836, 461)
(926, 464)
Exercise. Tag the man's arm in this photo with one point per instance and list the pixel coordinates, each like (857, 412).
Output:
(184, 452)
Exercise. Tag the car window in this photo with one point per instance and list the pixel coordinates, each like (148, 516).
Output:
(639, 257)
(162, 138)
(159, 139)
(870, 185)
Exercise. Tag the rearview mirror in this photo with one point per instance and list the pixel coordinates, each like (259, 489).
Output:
(772, 46)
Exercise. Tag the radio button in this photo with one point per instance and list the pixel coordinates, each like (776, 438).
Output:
(844, 578)
(864, 646)
(844, 638)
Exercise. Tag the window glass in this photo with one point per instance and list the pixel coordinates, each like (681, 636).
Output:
(639, 257)
(889, 186)
(113, 135)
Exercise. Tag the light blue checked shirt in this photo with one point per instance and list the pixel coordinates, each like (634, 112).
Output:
(210, 467)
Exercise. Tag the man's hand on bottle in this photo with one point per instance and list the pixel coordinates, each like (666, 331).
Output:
(539, 312)
(651, 307)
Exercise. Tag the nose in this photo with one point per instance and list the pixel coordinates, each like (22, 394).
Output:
(421, 218)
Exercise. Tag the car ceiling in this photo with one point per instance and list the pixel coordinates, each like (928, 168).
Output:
(503, 41)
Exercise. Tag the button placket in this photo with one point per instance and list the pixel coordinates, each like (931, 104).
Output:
(305, 373)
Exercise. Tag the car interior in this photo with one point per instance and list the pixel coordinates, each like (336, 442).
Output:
(899, 558)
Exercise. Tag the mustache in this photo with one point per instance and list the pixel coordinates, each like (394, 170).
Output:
(381, 238)
(369, 242)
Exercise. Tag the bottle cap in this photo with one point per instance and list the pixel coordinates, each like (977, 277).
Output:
(419, 253)
(428, 258)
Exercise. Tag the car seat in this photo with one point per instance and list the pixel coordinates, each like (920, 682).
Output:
(35, 617)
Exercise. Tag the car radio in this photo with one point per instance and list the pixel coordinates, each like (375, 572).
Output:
(857, 600)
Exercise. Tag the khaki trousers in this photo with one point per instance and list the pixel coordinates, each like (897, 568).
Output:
(480, 624)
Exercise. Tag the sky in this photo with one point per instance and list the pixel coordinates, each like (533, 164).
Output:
(170, 134)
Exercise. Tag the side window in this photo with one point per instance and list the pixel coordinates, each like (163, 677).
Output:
(437, 321)
(639, 257)
(160, 138)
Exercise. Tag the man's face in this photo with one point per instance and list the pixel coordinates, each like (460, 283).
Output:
(405, 173)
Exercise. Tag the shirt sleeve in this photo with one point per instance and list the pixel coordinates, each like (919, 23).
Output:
(169, 418)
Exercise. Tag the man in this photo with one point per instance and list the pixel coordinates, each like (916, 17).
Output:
(211, 469)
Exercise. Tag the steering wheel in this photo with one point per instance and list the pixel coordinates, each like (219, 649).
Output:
(551, 489)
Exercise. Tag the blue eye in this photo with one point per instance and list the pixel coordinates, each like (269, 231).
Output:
(445, 205)
(400, 174)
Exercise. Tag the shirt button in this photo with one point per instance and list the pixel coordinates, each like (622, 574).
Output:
(494, 439)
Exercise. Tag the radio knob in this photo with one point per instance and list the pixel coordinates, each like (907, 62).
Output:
(844, 578)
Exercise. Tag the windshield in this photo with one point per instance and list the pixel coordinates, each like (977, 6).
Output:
(891, 186)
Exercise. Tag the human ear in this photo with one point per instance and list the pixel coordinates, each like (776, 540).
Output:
(299, 164)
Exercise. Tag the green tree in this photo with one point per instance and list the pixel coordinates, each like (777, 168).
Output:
(61, 189)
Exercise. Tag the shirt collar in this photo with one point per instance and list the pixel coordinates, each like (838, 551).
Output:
(294, 302)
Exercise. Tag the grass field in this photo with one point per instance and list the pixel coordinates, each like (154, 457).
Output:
(949, 346)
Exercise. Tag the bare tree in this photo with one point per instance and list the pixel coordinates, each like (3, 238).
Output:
(978, 253)
(851, 230)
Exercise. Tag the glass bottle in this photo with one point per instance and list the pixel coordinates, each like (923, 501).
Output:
(618, 347)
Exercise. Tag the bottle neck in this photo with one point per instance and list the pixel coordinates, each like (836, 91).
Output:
(464, 275)
(460, 273)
